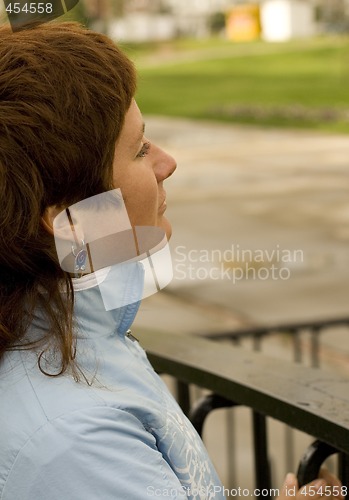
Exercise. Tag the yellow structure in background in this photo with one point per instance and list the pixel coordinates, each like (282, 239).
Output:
(243, 23)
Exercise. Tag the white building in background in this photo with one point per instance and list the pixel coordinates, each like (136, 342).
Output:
(283, 20)
(142, 27)
(143, 19)
(192, 15)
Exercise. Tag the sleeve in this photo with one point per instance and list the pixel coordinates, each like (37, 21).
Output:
(98, 453)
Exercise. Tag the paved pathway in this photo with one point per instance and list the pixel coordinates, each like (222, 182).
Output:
(243, 199)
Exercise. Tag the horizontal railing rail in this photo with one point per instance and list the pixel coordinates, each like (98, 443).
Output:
(261, 331)
(299, 396)
(304, 398)
(295, 330)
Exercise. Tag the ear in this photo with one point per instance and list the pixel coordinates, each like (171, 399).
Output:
(48, 217)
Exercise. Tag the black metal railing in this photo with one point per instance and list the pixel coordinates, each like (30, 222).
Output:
(293, 394)
(303, 352)
(295, 330)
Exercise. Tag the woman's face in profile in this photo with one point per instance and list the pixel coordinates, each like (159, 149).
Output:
(139, 170)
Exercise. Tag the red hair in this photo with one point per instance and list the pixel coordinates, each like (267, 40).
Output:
(64, 93)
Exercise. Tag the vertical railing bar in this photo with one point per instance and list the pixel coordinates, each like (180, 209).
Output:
(256, 342)
(183, 396)
(289, 448)
(231, 450)
(314, 347)
(289, 432)
(343, 469)
(297, 352)
(261, 461)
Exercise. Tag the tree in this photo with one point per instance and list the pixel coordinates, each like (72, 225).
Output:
(333, 13)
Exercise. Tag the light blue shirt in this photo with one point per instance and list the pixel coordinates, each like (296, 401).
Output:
(122, 438)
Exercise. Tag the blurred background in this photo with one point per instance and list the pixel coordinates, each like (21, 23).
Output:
(252, 98)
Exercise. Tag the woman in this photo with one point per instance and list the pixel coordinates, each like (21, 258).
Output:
(83, 415)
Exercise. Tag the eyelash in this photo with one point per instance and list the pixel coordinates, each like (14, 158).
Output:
(144, 151)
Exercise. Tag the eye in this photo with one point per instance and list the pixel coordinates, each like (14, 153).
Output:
(144, 150)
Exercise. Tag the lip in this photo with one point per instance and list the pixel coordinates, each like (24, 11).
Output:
(162, 207)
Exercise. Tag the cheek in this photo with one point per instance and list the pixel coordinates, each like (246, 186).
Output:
(141, 200)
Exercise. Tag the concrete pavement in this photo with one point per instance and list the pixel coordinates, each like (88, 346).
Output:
(243, 199)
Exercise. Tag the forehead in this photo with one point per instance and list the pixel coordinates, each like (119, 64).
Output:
(132, 130)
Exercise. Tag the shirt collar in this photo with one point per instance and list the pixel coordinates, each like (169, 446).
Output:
(107, 301)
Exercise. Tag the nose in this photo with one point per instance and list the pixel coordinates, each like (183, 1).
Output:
(164, 164)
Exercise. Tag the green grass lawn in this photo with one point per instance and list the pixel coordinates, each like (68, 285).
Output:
(302, 84)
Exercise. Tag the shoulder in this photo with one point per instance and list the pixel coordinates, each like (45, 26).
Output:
(60, 439)
(97, 452)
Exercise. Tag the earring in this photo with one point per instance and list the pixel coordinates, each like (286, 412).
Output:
(80, 255)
